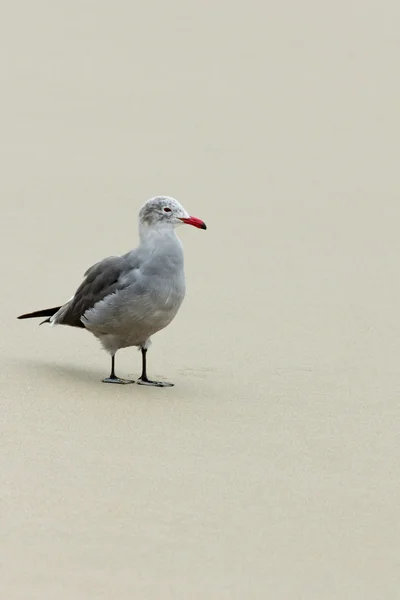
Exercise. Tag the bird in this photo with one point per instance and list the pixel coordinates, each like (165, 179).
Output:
(124, 300)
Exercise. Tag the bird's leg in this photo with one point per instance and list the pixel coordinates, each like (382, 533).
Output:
(113, 378)
(144, 380)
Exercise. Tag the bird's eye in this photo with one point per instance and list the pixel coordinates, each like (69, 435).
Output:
(166, 209)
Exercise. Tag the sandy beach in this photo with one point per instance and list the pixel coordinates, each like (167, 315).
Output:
(271, 469)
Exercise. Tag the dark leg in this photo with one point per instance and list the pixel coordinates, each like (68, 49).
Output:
(144, 380)
(113, 378)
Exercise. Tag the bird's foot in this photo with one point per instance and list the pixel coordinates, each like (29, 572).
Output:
(117, 380)
(145, 381)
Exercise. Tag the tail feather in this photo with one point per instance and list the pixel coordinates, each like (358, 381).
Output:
(47, 312)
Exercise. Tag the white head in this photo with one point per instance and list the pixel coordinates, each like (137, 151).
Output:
(166, 212)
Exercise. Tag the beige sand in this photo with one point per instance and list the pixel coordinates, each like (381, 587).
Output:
(271, 469)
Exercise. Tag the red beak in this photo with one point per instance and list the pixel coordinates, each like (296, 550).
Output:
(194, 221)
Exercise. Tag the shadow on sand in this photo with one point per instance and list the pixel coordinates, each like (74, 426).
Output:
(54, 370)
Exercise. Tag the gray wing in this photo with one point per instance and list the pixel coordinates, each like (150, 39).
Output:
(102, 279)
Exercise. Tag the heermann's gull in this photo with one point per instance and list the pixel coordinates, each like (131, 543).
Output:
(124, 300)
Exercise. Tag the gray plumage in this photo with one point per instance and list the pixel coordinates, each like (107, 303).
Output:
(124, 300)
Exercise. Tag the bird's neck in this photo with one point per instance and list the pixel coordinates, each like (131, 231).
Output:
(156, 233)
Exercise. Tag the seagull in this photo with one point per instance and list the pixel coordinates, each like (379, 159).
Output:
(124, 300)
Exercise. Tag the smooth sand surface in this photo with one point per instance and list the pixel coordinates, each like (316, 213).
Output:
(271, 469)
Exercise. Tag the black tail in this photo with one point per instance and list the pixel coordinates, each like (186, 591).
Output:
(47, 312)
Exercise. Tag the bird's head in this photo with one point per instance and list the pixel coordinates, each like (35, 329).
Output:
(164, 211)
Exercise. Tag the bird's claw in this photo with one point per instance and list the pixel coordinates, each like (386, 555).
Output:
(146, 381)
(117, 380)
